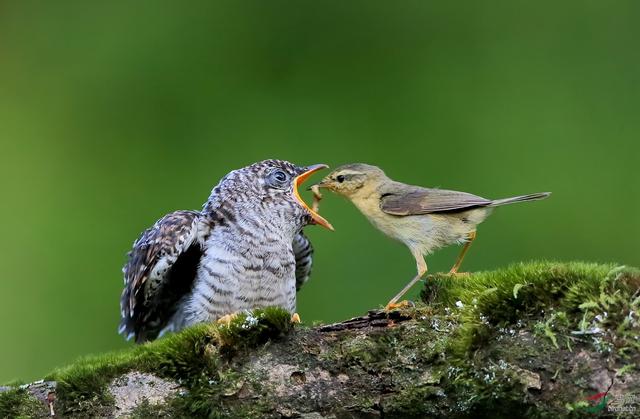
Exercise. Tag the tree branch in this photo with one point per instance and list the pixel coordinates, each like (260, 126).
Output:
(539, 339)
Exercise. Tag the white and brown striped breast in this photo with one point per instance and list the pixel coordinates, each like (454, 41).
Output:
(235, 275)
(244, 250)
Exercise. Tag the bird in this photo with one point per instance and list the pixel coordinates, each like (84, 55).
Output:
(423, 219)
(244, 250)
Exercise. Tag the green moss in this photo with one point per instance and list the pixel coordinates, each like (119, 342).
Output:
(492, 391)
(626, 369)
(249, 329)
(191, 357)
(81, 388)
(413, 402)
(559, 305)
(201, 404)
(464, 352)
(368, 351)
(19, 403)
(538, 285)
(555, 323)
(563, 297)
(146, 410)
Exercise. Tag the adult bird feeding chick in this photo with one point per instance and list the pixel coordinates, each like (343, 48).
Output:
(423, 219)
(244, 250)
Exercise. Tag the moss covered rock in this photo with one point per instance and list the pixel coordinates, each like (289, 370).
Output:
(535, 339)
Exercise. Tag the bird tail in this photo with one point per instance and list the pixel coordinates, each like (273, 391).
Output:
(521, 198)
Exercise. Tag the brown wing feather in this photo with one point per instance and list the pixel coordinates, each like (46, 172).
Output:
(159, 272)
(416, 201)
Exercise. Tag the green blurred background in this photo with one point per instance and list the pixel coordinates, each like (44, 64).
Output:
(115, 113)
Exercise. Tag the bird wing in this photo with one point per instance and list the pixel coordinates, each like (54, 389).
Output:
(416, 200)
(303, 252)
(160, 270)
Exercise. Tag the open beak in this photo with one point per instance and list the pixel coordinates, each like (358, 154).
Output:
(317, 218)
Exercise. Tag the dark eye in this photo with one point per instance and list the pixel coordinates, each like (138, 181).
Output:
(280, 176)
(340, 178)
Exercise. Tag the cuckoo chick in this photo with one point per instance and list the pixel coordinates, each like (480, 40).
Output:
(244, 250)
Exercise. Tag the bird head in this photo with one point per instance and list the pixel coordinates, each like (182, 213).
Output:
(270, 187)
(352, 180)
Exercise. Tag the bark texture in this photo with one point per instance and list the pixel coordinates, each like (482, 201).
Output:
(535, 340)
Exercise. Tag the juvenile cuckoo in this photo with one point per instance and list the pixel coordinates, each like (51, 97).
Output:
(244, 250)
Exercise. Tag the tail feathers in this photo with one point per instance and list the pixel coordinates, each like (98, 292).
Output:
(521, 198)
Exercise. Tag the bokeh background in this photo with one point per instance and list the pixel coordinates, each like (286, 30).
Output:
(115, 113)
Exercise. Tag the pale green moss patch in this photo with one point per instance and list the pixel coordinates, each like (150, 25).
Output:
(529, 313)
(191, 357)
(19, 403)
(568, 300)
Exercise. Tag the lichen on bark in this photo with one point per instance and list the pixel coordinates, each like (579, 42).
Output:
(534, 339)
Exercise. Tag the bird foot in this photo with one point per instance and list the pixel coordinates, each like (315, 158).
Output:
(456, 274)
(295, 318)
(227, 319)
(401, 304)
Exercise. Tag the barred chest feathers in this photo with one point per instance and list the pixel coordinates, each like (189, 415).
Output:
(237, 275)
(244, 250)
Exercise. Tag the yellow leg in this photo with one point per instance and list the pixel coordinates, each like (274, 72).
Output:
(295, 318)
(422, 269)
(227, 318)
(463, 252)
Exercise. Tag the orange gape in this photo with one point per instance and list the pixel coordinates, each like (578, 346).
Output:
(317, 218)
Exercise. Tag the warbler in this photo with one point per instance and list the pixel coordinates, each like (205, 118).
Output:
(424, 219)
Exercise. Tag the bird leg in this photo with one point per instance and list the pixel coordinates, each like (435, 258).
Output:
(422, 269)
(295, 318)
(470, 238)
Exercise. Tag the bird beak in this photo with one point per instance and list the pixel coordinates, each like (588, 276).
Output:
(317, 218)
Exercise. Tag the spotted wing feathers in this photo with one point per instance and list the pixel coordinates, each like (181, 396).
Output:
(159, 272)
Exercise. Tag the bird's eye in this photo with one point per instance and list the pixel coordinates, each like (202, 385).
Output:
(280, 176)
(340, 178)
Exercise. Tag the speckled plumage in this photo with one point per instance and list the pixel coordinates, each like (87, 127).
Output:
(244, 250)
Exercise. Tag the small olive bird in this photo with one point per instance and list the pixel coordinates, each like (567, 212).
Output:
(423, 219)
(244, 250)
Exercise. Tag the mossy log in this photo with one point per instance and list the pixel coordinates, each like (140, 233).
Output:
(531, 340)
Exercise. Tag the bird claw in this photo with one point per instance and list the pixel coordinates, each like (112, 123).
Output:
(401, 304)
(295, 318)
(459, 274)
(227, 319)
